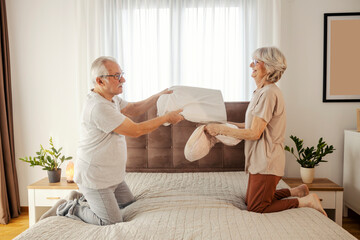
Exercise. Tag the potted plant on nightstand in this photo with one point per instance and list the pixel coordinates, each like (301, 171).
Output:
(308, 158)
(50, 160)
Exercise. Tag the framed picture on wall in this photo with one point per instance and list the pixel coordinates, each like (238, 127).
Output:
(341, 57)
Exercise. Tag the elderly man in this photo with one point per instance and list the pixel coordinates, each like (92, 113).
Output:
(102, 154)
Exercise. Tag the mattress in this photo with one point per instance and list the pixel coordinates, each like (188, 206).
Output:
(193, 206)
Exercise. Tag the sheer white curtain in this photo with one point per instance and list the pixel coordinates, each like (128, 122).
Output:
(161, 43)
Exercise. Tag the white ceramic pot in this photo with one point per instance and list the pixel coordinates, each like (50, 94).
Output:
(307, 174)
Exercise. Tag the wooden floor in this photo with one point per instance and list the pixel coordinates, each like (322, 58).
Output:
(352, 224)
(20, 224)
(15, 226)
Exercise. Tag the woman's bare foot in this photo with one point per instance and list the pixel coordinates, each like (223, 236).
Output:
(312, 201)
(299, 191)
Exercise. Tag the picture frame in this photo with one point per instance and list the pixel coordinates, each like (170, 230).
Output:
(341, 71)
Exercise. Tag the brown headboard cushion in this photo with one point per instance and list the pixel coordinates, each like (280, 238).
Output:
(163, 149)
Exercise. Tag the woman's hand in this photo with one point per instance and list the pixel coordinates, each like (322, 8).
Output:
(174, 117)
(239, 125)
(213, 129)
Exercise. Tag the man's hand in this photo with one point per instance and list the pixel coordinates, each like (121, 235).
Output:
(134, 109)
(174, 117)
(165, 91)
(213, 129)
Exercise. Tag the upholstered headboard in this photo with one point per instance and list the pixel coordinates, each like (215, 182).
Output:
(163, 149)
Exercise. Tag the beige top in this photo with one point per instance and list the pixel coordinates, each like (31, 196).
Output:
(266, 155)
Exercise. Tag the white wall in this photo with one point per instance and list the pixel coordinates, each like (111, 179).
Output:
(43, 61)
(307, 116)
(43, 65)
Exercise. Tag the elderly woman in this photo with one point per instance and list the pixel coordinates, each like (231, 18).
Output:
(264, 131)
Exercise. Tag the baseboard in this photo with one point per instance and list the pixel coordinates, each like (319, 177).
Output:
(24, 209)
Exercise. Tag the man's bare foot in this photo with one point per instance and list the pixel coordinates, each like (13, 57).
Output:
(52, 211)
(312, 200)
(299, 191)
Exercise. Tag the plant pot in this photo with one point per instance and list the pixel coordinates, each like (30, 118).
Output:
(307, 174)
(54, 175)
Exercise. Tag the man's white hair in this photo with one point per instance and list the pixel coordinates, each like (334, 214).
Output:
(98, 68)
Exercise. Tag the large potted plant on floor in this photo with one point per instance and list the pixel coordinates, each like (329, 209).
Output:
(308, 158)
(50, 160)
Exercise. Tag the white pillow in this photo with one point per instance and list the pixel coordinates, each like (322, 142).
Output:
(200, 105)
(230, 141)
(200, 143)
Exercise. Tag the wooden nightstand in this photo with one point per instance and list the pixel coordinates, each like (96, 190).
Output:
(330, 194)
(43, 195)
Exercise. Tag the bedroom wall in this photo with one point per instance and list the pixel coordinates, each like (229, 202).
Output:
(43, 64)
(307, 116)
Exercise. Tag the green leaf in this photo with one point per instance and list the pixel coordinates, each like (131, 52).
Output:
(48, 159)
(54, 150)
(310, 157)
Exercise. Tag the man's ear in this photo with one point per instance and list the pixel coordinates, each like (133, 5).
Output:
(99, 81)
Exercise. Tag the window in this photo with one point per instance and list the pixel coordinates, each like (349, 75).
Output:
(162, 43)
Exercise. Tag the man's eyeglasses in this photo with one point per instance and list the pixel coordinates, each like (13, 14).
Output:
(116, 76)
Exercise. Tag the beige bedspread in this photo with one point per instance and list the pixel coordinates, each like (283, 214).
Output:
(193, 206)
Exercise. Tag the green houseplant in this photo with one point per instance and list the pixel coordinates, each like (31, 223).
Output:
(50, 159)
(309, 157)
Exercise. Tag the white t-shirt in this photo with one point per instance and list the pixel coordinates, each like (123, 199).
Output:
(102, 154)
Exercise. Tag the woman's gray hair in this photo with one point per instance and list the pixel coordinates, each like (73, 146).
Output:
(274, 62)
(98, 68)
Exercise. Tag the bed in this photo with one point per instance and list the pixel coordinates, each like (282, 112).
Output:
(178, 199)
